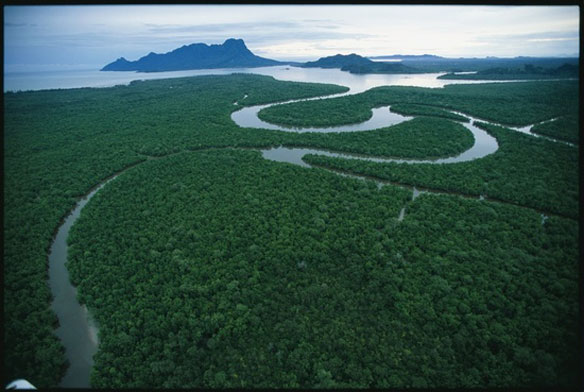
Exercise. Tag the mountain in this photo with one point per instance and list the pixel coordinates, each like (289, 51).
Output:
(231, 54)
(354, 63)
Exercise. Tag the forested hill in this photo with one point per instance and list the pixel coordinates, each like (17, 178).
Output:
(354, 63)
(231, 54)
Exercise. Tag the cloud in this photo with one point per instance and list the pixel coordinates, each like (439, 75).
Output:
(103, 33)
(550, 39)
(266, 38)
(542, 43)
(214, 27)
(547, 35)
(519, 39)
(322, 23)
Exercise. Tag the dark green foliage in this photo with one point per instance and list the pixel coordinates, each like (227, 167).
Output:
(516, 104)
(315, 114)
(528, 71)
(408, 109)
(60, 143)
(524, 170)
(43, 178)
(225, 270)
(483, 305)
(422, 137)
(287, 90)
(217, 268)
(564, 128)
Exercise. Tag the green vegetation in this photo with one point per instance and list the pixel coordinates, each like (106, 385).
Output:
(60, 143)
(237, 250)
(529, 71)
(48, 164)
(524, 170)
(287, 91)
(420, 138)
(218, 268)
(314, 114)
(564, 128)
(408, 109)
(226, 270)
(515, 104)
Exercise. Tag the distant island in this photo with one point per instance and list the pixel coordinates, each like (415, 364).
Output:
(354, 63)
(234, 54)
(231, 54)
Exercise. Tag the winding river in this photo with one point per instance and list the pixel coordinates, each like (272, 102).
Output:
(77, 330)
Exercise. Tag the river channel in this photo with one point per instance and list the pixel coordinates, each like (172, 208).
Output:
(79, 333)
(77, 329)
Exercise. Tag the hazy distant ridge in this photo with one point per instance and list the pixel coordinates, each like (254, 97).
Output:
(407, 57)
(231, 54)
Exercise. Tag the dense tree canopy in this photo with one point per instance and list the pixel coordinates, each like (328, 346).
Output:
(226, 270)
(409, 109)
(563, 128)
(516, 104)
(421, 137)
(218, 268)
(525, 170)
(60, 143)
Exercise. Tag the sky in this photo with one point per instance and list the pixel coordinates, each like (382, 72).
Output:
(84, 36)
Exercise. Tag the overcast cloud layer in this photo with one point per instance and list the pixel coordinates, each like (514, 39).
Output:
(50, 37)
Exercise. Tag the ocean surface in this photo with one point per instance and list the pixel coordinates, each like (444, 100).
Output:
(66, 79)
